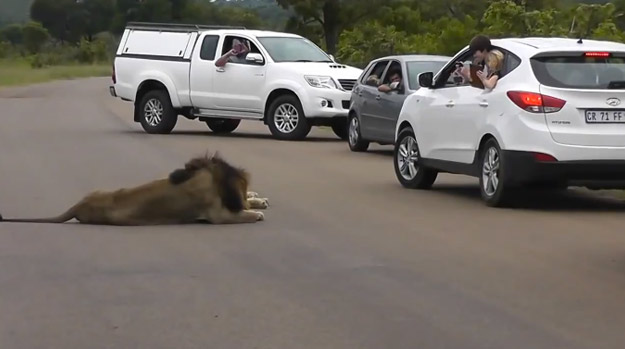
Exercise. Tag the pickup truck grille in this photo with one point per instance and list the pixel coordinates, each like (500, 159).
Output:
(347, 84)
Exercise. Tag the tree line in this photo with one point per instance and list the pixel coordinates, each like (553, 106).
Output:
(354, 30)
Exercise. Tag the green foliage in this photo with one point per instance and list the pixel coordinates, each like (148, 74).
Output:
(35, 36)
(12, 34)
(355, 30)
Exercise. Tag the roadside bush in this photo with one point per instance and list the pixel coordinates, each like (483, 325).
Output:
(6, 50)
(34, 36)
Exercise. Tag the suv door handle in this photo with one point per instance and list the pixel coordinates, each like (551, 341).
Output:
(378, 97)
(449, 104)
(220, 70)
(483, 104)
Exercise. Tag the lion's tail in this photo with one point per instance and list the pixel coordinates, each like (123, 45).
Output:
(62, 218)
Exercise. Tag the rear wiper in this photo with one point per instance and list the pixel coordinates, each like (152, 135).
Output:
(303, 60)
(616, 85)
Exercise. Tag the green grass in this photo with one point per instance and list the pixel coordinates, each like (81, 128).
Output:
(19, 72)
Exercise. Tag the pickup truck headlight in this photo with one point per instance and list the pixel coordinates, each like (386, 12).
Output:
(320, 81)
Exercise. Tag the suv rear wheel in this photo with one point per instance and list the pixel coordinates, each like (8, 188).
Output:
(286, 119)
(223, 125)
(406, 158)
(493, 187)
(156, 114)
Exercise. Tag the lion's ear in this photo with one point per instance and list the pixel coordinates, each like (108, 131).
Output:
(180, 176)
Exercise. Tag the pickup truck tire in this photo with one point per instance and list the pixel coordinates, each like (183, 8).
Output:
(223, 125)
(286, 119)
(339, 126)
(156, 114)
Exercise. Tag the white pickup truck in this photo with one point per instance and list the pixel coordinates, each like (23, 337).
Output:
(284, 80)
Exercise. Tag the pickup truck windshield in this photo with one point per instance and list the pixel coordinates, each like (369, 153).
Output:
(283, 49)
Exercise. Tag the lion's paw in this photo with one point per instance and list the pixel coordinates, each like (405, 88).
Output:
(260, 216)
(264, 203)
(252, 194)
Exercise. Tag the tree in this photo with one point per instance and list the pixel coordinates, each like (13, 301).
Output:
(35, 36)
(53, 15)
(12, 34)
(333, 16)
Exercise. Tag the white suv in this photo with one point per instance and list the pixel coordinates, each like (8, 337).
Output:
(554, 117)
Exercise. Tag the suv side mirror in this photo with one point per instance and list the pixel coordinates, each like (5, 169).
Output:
(255, 58)
(426, 79)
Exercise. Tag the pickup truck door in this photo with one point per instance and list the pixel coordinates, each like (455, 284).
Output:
(203, 73)
(238, 86)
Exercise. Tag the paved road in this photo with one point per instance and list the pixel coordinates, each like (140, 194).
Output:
(345, 259)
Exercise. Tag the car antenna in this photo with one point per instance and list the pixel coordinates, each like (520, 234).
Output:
(580, 41)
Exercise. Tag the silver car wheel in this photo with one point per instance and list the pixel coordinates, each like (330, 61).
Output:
(490, 171)
(286, 118)
(408, 157)
(353, 131)
(153, 112)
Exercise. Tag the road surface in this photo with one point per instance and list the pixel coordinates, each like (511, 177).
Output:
(345, 259)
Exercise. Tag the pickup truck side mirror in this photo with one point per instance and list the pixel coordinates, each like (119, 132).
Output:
(255, 58)
(426, 79)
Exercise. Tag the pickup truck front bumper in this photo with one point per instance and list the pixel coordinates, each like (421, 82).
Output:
(326, 103)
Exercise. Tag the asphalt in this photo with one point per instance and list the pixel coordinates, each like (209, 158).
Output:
(346, 257)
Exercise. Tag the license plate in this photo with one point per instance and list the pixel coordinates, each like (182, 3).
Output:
(605, 116)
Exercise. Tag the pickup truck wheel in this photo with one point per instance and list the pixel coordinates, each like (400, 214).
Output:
(157, 115)
(286, 119)
(410, 173)
(339, 126)
(223, 125)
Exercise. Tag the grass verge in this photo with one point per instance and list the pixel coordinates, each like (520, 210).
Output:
(19, 72)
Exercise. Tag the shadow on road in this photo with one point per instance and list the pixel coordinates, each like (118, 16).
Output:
(236, 135)
(572, 199)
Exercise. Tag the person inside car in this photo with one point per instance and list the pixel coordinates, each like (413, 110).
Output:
(492, 69)
(393, 83)
(235, 55)
(480, 46)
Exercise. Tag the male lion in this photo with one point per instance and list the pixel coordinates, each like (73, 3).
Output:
(207, 189)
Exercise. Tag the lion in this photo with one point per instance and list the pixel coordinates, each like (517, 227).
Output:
(207, 189)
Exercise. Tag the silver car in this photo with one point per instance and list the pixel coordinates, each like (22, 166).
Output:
(376, 102)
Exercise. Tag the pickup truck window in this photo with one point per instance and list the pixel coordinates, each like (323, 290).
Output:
(228, 41)
(286, 49)
(209, 47)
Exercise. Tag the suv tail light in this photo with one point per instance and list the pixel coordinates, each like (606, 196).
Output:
(536, 102)
(113, 75)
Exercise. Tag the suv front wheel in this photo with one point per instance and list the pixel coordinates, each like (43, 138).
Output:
(286, 119)
(406, 157)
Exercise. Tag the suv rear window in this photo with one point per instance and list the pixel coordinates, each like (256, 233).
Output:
(581, 70)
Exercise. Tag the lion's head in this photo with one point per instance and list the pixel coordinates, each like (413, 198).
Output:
(231, 182)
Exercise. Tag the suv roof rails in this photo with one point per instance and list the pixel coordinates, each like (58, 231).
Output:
(176, 26)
